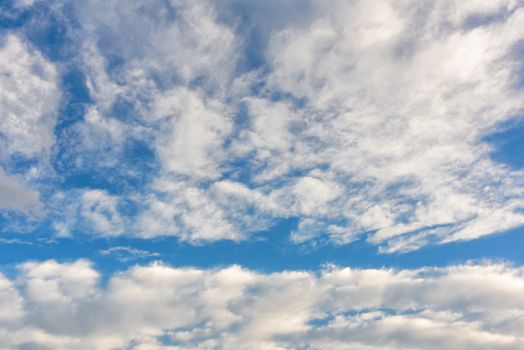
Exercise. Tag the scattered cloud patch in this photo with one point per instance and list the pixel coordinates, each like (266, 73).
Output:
(125, 253)
(15, 241)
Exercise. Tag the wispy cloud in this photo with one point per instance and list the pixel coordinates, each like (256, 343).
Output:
(15, 241)
(125, 253)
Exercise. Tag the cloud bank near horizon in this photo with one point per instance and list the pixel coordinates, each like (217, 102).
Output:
(50, 305)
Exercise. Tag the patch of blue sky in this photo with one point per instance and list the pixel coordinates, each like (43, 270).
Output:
(19, 163)
(51, 30)
(269, 251)
(478, 20)
(75, 98)
(136, 161)
(12, 17)
(508, 143)
(136, 165)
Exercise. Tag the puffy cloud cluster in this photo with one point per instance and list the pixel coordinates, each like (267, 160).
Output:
(52, 305)
(358, 118)
(377, 127)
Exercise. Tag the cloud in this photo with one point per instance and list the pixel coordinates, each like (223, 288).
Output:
(361, 119)
(11, 303)
(158, 306)
(378, 129)
(195, 131)
(199, 46)
(393, 102)
(364, 119)
(15, 241)
(28, 99)
(28, 102)
(89, 211)
(101, 210)
(186, 211)
(125, 254)
(24, 3)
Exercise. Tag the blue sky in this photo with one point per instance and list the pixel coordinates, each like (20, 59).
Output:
(246, 147)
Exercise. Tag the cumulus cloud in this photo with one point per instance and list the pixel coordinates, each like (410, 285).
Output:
(162, 307)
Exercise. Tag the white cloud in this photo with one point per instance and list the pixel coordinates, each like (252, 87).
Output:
(125, 253)
(368, 119)
(24, 3)
(194, 133)
(458, 307)
(223, 210)
(174, 46)
(198, 47)
(398, 100)
(15, 241)
(53, 283)
(187, 126)
(312, 195)
(89, 211)
(28, 99)
(11, 303)
(178, 208)
(101, 210)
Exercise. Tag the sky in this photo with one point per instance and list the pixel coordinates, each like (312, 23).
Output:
(266, 175)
